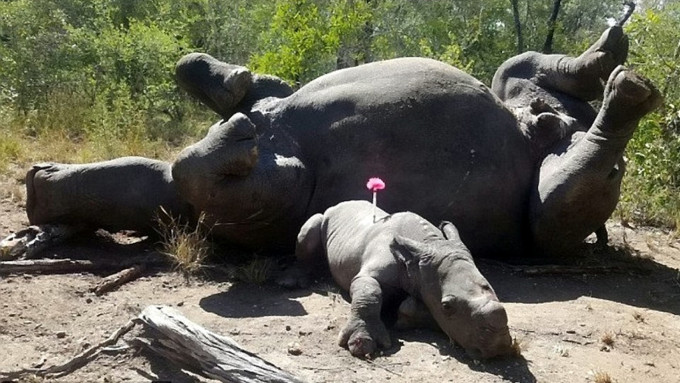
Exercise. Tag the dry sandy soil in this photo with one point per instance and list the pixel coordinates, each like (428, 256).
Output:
(561, 319)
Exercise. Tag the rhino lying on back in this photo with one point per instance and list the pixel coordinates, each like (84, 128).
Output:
(524, 167)
(379, 260)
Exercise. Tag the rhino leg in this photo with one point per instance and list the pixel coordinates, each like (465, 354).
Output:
(414, 314)
(579, 181)
(225, 88)
(582, 77)
(125, 193)
(254, 191)
(218, 85)
(309, 254)
(365, 332)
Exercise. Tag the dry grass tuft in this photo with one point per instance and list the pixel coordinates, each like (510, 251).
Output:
(187, 246)
(602, 377)
(257, 271)
(518, 345)
(607, 338)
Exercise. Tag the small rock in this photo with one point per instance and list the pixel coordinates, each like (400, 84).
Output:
(61, 334)
(88, 300)
(304, 333)
(180, 304)
(294, 349)
(605, 348)
(571, 332)
(287, 328)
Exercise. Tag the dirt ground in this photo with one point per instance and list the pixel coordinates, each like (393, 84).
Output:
(562, 320)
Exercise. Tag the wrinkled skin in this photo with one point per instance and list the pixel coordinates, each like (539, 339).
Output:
(526, 167)
(380, 259)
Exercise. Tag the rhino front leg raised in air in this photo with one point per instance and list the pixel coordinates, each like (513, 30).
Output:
(579, 181)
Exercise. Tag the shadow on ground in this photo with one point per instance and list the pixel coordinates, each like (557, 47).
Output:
(249, 301)
(615, 274)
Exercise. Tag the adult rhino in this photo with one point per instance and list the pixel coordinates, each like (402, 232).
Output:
(525, 167)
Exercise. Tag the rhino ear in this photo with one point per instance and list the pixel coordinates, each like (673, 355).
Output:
(408, 251)
(450, 231)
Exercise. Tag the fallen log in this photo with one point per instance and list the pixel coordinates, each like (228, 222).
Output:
(115, 280)
(166, 332)
(193, 347)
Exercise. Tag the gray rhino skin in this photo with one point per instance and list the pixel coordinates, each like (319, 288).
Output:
(380, 258)
(527, 167)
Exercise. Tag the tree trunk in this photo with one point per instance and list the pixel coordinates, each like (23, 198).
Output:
(518, 26)
(552, 22)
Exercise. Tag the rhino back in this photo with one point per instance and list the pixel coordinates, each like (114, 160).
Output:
(356, 243)
(444, 144)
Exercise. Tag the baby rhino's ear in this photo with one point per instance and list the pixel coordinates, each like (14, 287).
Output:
(408, 251)
(449, 230)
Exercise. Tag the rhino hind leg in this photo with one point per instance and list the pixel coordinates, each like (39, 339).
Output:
(584, 77)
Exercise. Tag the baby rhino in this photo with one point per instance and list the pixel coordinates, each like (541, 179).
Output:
(382, 259)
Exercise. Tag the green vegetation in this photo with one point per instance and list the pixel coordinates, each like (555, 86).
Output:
(85, 80)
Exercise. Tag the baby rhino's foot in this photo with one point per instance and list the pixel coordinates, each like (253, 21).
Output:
(627, 98)
(363, 339)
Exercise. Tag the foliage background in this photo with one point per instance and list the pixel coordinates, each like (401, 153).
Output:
(86, 80)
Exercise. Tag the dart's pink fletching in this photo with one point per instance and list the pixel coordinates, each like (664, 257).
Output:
(375, 184)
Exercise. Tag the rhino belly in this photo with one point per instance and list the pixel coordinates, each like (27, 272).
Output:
(446, 148)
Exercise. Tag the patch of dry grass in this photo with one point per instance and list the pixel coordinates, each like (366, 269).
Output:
(602, 377)
(608, 338)
(518, 345)
(257, 271)
(187, 246)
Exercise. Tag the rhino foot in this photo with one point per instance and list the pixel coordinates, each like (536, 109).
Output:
(592, 68)
(627, 98)
(602, 57)
(29, 242)
(364, 338)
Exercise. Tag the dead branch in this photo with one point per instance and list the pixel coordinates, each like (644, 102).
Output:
(47, 266)
(55, 266)
(628, 9)
(191, 346)
(76, 362)
(115, 280)
(29, 242)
